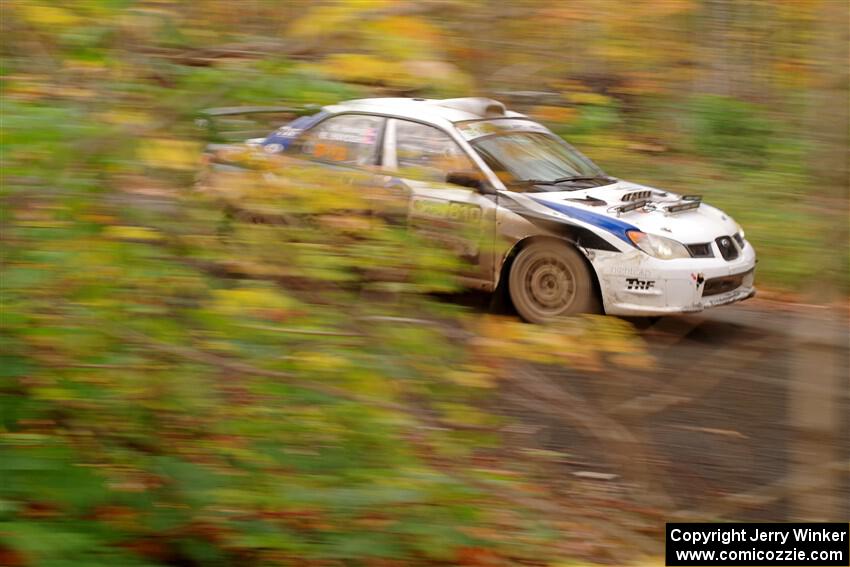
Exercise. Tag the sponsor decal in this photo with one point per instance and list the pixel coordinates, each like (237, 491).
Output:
(452, 210)
(635, 283)
(288, 132)
(722, 298)
(331, 152)
(343, 135)
(629, 271)
(282, 138)
(472, 130)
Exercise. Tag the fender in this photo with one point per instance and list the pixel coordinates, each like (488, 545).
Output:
(576, 234)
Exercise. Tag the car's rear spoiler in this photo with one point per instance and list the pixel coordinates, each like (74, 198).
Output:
(230, 124)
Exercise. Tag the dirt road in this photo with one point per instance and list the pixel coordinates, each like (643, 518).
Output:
(722, 424)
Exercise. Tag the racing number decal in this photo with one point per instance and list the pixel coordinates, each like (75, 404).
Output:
(451, 210)
(454, 223)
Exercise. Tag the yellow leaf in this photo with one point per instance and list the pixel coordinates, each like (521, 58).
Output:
(356, 67)
(558, 114)
(588, 98)
(407, 27)
(320, 361)
(125, 117)
(132, 233)
(47, 15)
(472, 379)
(245, 300)
(170, 154)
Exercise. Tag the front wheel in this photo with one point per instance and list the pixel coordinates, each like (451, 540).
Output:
(549, 280)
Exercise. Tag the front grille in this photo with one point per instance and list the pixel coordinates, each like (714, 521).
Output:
(727, 248)
(701, 250)
(715, 286)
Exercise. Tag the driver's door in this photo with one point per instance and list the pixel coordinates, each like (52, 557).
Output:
(420, 157)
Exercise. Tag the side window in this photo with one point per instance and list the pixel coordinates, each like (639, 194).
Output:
(425, 152)
(349, 139)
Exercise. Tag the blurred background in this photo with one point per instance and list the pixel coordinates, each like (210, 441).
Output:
(185, 380)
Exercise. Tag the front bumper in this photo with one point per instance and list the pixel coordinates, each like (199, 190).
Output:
(633, 283)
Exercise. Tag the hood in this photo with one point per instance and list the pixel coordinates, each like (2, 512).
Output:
(597, 205)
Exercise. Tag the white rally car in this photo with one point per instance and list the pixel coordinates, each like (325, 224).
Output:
(530, 213)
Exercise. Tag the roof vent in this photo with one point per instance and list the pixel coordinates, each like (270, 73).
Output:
(480, 106)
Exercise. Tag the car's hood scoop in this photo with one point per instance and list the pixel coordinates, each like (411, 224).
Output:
(623, 192)
(683, 217)
(589, 201)
(636, 196)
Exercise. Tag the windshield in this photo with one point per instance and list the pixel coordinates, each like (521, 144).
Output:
(531, 158)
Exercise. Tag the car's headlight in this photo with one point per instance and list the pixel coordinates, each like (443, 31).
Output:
(658, 246)
(740, 230)
(739, 236)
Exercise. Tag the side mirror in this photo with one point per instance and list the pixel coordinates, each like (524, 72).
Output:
(470, 179)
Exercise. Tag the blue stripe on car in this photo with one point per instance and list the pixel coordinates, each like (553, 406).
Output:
(615, 226)
(285, 135)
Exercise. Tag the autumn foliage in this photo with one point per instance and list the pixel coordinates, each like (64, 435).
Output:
(265, 371)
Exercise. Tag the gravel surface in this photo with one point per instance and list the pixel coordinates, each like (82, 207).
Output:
(714, 421)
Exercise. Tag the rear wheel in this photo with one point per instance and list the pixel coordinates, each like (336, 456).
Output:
(549, 280)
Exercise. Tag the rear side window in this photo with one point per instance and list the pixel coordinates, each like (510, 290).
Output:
(427, 152)
(281, 139)
(349, 139)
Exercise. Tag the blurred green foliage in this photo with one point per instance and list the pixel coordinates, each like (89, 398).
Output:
(182, 387)
(269, 386)
(732, 131)
(251, 374)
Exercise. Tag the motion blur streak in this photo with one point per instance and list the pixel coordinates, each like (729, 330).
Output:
(272, 370)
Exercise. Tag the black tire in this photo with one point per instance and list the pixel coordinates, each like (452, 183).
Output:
(551, 279)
